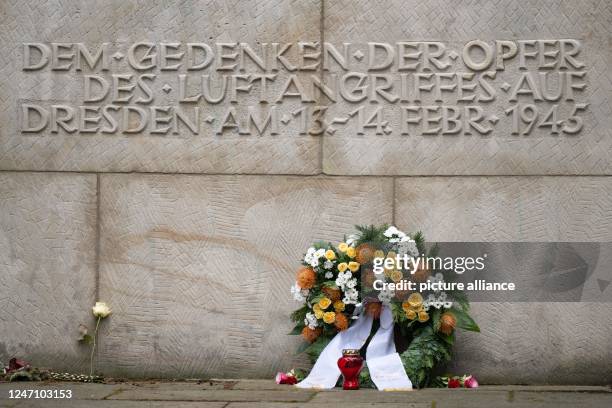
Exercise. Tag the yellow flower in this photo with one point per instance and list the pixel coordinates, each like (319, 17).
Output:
(410, 314)
(379, 254)
(329, 317)
(330, 255)
(353, 266)
(342, 266)
(415, 300)
(396, 276)
(350, 251)
(324, 303)
(339, 306)
(423, 316)
(342, 247)
(317, 311)
(391, 254)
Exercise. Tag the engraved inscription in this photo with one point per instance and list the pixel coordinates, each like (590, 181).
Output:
(419, 88)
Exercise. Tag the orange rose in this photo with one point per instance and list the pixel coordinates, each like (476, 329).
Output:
(374, 309)
(448, 321)
(365, 253)
(342, 322)
(310, 335)
(420, 275)
(332, 293)
(306, 278)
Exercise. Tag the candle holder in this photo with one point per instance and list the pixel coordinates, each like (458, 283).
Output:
(350, 365)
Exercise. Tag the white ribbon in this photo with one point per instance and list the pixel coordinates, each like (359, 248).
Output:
(386, 368)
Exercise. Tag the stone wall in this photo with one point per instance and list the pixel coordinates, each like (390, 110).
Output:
(187, 234)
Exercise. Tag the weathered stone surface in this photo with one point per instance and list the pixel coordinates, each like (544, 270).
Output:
(546, 343)
(290, 394)
(455, 23)
(122, 25)
(47, 259)
(577, 209)
(80, 391)
(177, 394)
(116, 404)
(198, 268)
(537, 343)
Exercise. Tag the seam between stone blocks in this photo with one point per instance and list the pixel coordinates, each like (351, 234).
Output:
(321, 76)
(97, 259)
(97, 250)
(318, 174)
(393, 192)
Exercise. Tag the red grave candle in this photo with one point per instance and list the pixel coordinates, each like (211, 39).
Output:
(350, 364)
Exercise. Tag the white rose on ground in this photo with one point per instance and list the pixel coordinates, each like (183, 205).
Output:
(101, 310)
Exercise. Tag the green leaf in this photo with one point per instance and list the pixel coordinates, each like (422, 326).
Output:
(330, 284)
(450, 339)
(300, 314)
(465, 321)
(84, 337)
(320, 244)
(365, 381)
(303, 346)
(297, 329)
(314, 350)
(371, 234)
(316, 299)
(424, 353)
(460, 299)
(435, 319)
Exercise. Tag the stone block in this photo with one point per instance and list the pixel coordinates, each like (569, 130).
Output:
(198, 268)
(118, 145)
(47, 258)
(534, 343)
(413, 134)
(572, 209)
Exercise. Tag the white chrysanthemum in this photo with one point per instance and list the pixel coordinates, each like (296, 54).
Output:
(342, 279)
(394, 234)
(352, 240)
(328, 265)
(407, 246)
(309, 255)
(329, 275)
(298, 293)
(351, 283)
(311, 320)
(351, 296)
(438, 301)
(391, 231)
(385, 296)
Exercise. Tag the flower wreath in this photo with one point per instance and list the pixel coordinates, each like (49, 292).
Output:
(336, 285)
